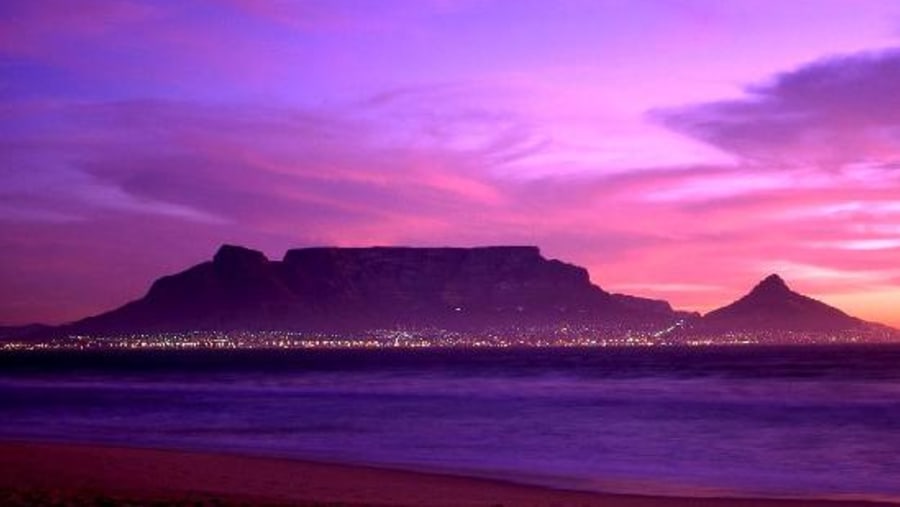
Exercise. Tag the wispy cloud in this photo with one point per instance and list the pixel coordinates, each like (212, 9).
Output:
(127, 128)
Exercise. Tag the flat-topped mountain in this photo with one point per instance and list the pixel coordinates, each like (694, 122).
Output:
(338, 289)
(22, 331)
(772, 305)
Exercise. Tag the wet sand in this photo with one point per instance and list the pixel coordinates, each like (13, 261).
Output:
(69, 474)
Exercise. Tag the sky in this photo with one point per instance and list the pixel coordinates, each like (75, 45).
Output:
(678, 149)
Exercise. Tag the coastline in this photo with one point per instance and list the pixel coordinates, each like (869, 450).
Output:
(79, 474)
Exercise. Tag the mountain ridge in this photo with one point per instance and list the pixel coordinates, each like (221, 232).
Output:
(337, 289)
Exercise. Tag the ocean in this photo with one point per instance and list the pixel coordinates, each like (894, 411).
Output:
(735, 421)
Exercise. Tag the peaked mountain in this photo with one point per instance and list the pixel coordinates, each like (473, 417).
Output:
(340, 289)
(772, 305)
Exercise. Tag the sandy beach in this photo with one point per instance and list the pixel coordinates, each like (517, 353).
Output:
(68, 474)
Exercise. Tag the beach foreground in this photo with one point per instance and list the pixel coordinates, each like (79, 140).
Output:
(68, 474)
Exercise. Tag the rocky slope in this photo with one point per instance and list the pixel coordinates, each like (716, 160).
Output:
(772, 305)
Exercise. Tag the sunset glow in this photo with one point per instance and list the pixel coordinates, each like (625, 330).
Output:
(679, 150)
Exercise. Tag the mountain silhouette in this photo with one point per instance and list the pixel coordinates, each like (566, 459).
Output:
(342, 289)
(772, 305)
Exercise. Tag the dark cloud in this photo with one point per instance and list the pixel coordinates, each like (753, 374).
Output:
(834, 111)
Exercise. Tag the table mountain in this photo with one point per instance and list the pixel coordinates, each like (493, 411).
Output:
(341, 289)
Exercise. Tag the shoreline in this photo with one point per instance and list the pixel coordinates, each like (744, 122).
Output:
(76, 473)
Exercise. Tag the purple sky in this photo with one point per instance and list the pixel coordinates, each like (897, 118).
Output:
(680, 149)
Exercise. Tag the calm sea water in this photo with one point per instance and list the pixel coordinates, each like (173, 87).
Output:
(808, 422)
